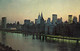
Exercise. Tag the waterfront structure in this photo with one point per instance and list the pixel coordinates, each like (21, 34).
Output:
(3, 22)
(70, 19)
(74, 19)
(11, 26)
(54, 18)
(49, 28)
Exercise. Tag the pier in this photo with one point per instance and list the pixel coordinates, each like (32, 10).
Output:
(51, 37)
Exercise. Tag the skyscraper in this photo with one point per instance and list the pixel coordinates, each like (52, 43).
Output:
(26, 22)
(39, 17)
(70, 19)
(3, 22)
(59, 20)
(54, 18)
(42, 19)
(74, 19)
(48, 20)
(36, 20)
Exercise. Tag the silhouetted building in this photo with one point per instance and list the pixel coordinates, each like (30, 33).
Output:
(11, 25)
(70, 19)
(48, 21)
(3, 22)
(74, 19)
(39, 17)
(54, 18)
(18, 27)
(31, 23)
(59, 20)
(36, 20)
(45, 21)
(26, 22)
(42, 24)
(42, 19)
(18, 23)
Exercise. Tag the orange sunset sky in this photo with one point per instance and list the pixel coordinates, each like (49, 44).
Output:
(19, 10)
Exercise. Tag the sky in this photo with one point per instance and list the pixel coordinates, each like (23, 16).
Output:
(19, 10)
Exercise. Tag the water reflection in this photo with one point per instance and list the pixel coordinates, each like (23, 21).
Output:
(3, 37)
(63, 47)
(75, 47)
(25, 42)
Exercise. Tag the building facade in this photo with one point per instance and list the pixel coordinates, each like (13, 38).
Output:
(59, 20)
(54, 18)
(74, 19)
(70, 19)
(3, 22)
(26, 22)
(48, 21)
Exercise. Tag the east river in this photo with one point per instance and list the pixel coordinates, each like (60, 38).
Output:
(26, 43)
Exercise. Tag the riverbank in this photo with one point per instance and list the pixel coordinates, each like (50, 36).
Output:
(48, 37)
(6, 48)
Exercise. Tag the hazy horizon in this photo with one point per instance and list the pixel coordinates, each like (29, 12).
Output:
(19, 10)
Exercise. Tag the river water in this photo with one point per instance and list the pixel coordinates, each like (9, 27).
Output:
(26, 43)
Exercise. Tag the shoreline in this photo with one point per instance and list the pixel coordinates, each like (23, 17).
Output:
(49, 37)
(3, 47)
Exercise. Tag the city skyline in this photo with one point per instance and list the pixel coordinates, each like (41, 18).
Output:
(28, 9)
